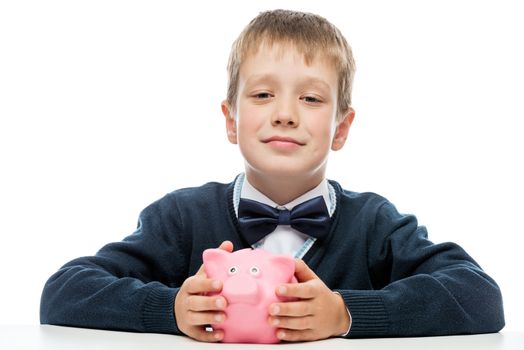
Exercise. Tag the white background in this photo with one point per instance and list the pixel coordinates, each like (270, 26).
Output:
(105, 106)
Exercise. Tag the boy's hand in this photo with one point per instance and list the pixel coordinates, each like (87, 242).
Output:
(194, 310)
(318, 314)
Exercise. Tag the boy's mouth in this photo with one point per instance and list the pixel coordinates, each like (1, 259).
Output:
(283, 139)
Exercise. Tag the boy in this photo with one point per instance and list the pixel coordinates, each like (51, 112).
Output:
(363, 269)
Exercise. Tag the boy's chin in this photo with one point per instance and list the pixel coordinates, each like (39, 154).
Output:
(285, 173)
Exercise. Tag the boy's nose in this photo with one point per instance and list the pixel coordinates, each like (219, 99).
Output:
(285, 113)
(285, 118)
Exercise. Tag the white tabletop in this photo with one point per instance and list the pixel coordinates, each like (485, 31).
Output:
(58, 338)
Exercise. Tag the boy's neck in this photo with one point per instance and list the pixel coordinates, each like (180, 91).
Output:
(283, 190)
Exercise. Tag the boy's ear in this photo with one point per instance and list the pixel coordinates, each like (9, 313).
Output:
(231, 126)
(342, 130)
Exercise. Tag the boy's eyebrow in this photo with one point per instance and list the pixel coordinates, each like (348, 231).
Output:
(270, 78)
(316, 81)
(261, 78)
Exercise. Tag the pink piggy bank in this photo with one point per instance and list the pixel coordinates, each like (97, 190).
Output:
(250, 278)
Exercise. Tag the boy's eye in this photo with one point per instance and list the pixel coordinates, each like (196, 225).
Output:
(310, 99)
(262, 95)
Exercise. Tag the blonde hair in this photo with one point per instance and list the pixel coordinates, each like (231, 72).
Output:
(310, 34)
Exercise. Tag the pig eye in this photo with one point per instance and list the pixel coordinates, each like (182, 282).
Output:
(254, 271)
(232, 270)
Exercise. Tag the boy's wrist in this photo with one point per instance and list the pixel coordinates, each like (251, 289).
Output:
(345, 318)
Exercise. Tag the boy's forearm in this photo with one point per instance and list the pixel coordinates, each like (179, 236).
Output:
(458, 302)
(83, 295)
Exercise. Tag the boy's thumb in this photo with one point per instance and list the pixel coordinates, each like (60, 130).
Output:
(302, 272)
(227, 246)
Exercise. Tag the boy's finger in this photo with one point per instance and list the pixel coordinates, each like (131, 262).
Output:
(227, 246)
(291, 309)
(203, 335)
(201, 271)
(296, 335)
(205, 303)
(204, 318)
(296, 323)
(199, 284)
(302, 272)
(305, 290)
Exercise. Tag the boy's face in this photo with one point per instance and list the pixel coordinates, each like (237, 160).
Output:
(286, 114)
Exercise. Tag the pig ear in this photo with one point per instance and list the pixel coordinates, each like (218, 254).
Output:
(284, 264)
(214, 260)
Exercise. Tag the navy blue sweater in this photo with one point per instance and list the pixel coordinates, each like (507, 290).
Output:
(394, 281)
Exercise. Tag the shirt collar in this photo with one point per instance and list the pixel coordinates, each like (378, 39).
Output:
(322, 189)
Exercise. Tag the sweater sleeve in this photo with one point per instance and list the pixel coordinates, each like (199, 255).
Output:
(130, 285)
(420, 288)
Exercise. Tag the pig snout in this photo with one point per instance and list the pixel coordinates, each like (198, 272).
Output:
(241, 289)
